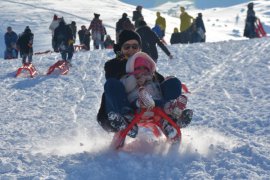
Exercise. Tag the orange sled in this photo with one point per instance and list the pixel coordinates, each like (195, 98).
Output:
(153, 123)
(61, 65)
(29, 67)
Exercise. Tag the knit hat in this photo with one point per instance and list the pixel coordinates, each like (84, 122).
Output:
(141, 62)
(140, 59)
(127, 35)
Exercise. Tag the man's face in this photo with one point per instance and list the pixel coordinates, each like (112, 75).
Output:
(130, 47)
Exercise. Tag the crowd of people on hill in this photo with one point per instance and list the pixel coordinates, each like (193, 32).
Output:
(191, 30)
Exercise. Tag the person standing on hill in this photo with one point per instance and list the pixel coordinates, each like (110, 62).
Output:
(150, 40)
(73, 28)
(161, 22)
(123, 23)
(200, 27)
(64, 41)
(185, 19)
(54, 24)
(84, 37)
(97, 30)
(25, 45)
(249, 30)
(10, 41)
(137, 16)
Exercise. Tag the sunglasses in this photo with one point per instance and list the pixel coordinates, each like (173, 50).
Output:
(133, 46)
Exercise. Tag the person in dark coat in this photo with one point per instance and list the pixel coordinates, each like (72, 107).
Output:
(251, 18)
(73, 28)
(150, 40)
(115, 112)
(137, 16)
(200, 28)
(25, 45)
(123, 23)
(84, 37)
(10, 41)
(64, 41)
(175, 37)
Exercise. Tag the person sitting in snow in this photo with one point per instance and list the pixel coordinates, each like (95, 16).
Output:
(25, 45)
(176, 36)
(249, 30)
(116, 110)
(108, 43)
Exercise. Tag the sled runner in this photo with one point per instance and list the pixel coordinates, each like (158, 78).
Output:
(185, 88)
(28, 67)
(259, 29)
(61, 65)
(152, 122)
(79, 47)
(44, 52)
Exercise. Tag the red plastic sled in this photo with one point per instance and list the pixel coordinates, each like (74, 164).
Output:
(153, 123)
(29, 67)
(259, 29)
(61, 65)
(185, 88)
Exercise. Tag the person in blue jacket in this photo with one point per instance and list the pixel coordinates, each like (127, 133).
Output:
(10, 41)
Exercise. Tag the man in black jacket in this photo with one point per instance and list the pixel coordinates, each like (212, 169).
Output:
(84, 37)
(64, 41)
(123, 23)
(137, 16)
(251, 18)
(150, 40)
(25, 45)
(115, 112)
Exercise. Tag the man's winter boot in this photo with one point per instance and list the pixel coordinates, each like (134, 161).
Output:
(117, 121)
(167, 129)
(186, 118)
(128, 114)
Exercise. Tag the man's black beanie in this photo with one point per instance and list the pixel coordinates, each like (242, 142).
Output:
(127, 35)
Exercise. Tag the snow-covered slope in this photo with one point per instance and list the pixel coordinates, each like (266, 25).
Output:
(48, 126)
